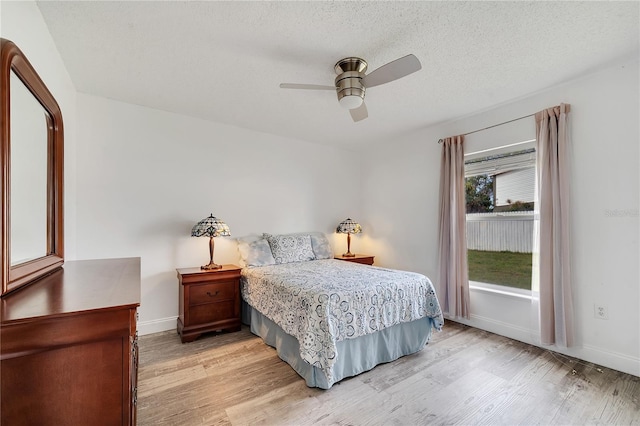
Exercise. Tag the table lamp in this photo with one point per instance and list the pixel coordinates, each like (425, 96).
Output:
(349, 227)
(210, 227)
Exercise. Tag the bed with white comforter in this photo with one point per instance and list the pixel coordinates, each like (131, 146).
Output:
(331, 319)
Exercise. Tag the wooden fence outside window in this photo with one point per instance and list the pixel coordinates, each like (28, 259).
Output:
(505, 231)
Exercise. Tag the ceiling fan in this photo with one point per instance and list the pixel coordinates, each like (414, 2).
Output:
(351, 82)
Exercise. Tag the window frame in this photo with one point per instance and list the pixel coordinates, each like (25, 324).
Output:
(500, 289)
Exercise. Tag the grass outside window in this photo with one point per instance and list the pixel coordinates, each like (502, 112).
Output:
(500, 267)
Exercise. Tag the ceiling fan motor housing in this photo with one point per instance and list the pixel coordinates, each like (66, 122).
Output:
(350, 84)
(349, 81)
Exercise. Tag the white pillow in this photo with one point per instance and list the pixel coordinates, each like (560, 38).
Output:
(321, 246)
(290, 248)
(254, 251)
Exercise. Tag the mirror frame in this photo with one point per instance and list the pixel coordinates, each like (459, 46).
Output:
(16, 276)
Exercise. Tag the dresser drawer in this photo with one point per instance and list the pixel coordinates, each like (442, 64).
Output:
(212, 292)
(212, 312)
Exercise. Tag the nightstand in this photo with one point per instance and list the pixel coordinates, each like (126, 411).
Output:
(209, 301)
(358, 258)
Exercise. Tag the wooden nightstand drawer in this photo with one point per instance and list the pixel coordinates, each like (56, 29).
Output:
(212, 312)
(215, 292)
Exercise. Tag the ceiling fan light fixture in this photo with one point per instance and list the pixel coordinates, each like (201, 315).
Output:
(350, 101)
(350, 89)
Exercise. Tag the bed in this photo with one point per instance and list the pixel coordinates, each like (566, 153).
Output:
(331, 319)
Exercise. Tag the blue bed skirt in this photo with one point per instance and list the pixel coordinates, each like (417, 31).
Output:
(354, 355)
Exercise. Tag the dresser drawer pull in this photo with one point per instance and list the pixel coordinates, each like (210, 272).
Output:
(214, 294)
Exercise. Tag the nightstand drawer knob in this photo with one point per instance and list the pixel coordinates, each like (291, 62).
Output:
(213, 294)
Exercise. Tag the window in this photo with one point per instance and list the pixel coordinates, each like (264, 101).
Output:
(500, 199)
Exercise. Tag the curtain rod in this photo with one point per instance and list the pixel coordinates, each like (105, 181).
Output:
(567, 108)
(495, 125)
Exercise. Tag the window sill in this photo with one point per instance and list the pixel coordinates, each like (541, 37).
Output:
(500, 290)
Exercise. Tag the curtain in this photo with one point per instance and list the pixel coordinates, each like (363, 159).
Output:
(453, 282)
(554, 257)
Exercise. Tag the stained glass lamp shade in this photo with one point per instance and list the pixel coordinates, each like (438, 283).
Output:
(349, 227)
(210, 227)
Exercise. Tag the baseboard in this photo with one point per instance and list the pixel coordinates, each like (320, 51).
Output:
(614, 360)
(501, 328)
(157, 325)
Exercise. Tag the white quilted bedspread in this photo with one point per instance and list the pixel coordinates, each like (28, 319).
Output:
(322, 302)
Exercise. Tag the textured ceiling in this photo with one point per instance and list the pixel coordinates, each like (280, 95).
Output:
(223, 61)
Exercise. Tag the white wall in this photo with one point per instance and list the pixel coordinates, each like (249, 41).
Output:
(145, 177)
(22, 23)
(400, 208)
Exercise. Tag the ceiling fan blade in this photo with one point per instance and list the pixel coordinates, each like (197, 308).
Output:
(306, 86)
(392, 71)
(360, 113)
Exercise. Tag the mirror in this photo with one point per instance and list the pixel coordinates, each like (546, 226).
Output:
(28, 158)
(31, 154)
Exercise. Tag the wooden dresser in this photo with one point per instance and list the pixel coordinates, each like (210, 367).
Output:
(68, 346)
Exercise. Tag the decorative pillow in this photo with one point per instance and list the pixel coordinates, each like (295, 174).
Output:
(254, 251)
(290, 248)
(321, 246)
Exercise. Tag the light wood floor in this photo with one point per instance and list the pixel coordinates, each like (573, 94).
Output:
(464, 376)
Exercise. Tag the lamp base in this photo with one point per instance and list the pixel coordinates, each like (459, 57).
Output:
(348, 254)
(210, 266)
